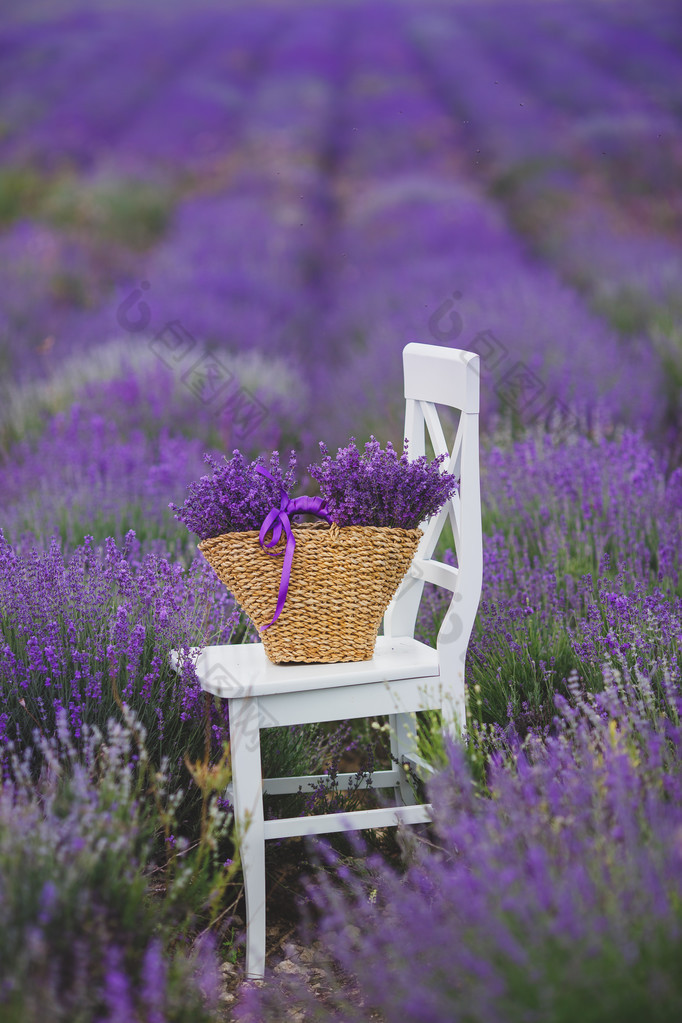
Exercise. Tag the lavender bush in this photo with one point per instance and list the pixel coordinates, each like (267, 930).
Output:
(380, 488)
(558, 897)
(86, 476)
(82, 633)
(84, 930)
(135, 392)
(581, 565)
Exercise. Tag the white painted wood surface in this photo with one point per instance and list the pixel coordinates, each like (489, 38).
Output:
(244, 670)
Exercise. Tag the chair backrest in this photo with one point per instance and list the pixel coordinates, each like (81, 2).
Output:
(450, 377)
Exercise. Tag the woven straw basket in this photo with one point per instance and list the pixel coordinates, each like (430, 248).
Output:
(342, 581)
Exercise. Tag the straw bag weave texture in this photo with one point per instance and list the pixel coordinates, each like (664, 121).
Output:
(342, 581)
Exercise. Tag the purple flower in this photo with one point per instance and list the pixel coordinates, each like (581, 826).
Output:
(380, 488)
(236, 498)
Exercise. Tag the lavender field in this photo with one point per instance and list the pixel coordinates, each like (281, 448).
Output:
(220, 223)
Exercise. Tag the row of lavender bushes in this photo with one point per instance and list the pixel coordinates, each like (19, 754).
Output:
(347, 245)
(359, 177)
(582, 571)
(551, 894)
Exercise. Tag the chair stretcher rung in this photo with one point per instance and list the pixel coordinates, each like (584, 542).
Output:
(284, 786)
(356, 820)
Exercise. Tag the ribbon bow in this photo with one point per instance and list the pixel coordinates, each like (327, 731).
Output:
(277, 520)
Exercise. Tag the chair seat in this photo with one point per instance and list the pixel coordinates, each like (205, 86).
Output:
(239, 670)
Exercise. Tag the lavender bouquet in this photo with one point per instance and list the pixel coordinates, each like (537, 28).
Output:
(380, 488)
(237, 497)
(374, 487)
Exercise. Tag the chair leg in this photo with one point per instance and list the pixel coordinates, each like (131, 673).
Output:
(248, 811)
(403, 745)
(454, 708)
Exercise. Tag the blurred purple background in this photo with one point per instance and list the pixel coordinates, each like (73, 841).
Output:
(227, 220)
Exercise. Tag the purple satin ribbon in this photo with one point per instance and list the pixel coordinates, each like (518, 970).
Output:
(277, 520)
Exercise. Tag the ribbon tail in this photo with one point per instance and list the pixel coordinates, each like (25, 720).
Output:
(286, 572)
(278, 520)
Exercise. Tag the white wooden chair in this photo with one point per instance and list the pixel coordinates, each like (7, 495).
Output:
(403, 677)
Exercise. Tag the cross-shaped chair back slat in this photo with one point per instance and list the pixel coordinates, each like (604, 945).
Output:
(449, 377)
